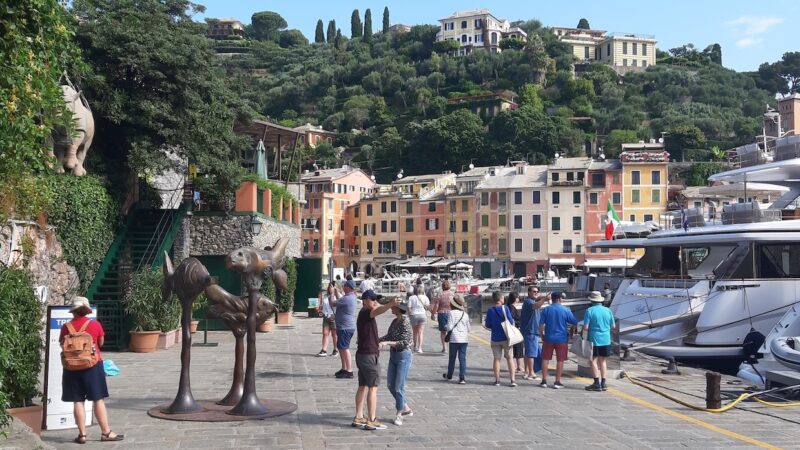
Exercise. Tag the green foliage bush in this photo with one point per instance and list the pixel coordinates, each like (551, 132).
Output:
(84, 216)
(20, 342)
(284, 300)
(143, 302)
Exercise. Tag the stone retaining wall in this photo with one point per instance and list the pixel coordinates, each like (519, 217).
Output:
(219, 235)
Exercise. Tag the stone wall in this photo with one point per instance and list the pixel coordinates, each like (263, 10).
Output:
(53, 279)
(219, 235)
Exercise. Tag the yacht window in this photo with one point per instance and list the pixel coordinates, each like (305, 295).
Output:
(694, 257)
(779, 261)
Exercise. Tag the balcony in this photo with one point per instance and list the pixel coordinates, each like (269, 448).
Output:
(567, 183)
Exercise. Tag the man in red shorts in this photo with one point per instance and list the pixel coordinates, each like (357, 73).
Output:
(554, 326)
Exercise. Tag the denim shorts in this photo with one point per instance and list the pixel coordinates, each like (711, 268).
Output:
(418, 319)
(443, 318)
(343, 338)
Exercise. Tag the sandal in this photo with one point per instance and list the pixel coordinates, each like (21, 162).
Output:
(81, 439)
(106, 437)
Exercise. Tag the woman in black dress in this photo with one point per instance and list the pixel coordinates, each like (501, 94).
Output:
(519, 350)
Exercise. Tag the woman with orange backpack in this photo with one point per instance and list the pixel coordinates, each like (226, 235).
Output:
(84, 377)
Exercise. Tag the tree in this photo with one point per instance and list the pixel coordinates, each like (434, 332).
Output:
(385, 19)
(368, 25)
(319, 33)
(331, 33)
(337, 40)
(530, 97)
(447, 46)
(684, 137)
(512, 43)
(156, 83)
(714, 53)
(583, 24)
(444, 143)
(267, 25)
(292, 38)
(356, 30)
(612, 144)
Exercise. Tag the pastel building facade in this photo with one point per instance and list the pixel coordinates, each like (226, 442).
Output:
(477, 29)
(528, 216)
(566, 183)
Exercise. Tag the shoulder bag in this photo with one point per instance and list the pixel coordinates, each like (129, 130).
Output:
(513, 334)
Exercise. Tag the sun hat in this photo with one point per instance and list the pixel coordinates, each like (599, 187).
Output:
(80, 305)
(350, 284)
(402, 306)
(457, 302)
(370, 294)
(596, 297)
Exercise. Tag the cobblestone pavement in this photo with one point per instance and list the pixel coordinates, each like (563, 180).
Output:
(446, 415)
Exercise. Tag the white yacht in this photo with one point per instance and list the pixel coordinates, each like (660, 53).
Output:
(698, 291)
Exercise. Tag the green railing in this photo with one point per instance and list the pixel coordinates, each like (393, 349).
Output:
(171, 233)
(102, 271)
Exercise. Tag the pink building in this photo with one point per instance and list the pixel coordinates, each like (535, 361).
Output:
(604, 183)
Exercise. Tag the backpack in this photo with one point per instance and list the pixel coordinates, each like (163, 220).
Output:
(78, 351)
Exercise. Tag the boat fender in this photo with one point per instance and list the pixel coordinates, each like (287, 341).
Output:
(752, 343)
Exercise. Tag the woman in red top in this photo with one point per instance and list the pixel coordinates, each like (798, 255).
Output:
(89, 384)
(440, 310)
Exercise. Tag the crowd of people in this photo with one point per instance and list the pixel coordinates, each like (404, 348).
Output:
(544, 332)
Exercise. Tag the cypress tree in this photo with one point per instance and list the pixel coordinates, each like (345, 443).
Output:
(337, 41)
(319, 35)
(355, 25)
(367, 25)
(385, 19)
(331, 31)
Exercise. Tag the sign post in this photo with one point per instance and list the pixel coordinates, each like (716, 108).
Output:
(57, 414)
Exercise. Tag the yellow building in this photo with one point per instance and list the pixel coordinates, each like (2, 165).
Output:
(379, 229)
(626, 52)
(644, 183)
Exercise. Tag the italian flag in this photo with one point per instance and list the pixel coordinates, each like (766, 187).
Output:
(613, 221)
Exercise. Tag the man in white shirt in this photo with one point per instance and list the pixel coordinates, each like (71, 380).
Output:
(367, 284)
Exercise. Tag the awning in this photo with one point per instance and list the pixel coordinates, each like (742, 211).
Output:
(613, 263)
(562, 261)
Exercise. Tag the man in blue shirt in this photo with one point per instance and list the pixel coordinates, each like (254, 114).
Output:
(495, 317)
(529, 326)
(553, 325)
(599, 321)
(345, 319)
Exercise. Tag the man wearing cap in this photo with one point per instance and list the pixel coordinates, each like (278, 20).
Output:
(367, 360)
(345, 319)
(599, 321)
(553, 324)
(529, 318)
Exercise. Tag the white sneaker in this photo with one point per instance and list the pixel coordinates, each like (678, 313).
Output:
(398, 420)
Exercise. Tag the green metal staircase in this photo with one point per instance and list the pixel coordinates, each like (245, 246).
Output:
(140, 242)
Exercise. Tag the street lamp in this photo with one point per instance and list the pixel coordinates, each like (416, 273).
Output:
(400, 174)
(471, 163)
(255, 224)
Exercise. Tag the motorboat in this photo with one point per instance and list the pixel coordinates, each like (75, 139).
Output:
(779, 352)
(703, 282)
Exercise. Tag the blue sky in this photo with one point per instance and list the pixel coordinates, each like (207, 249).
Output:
(749, 32)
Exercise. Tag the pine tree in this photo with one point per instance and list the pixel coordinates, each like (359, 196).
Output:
(319, 35)
(331, 35)
(367, 25)
(385, 19)
(355, 25)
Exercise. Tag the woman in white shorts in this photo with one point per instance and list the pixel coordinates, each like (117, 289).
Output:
(418, 305)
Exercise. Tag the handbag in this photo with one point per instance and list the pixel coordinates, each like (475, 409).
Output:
(450, 332)
(513, 334)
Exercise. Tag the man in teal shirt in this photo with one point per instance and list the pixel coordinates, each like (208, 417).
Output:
(599, 322)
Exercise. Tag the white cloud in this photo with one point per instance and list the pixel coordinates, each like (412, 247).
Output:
(747, 42)
(753, 26)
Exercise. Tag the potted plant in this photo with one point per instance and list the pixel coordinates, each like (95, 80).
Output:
(143, 302)
(285, 300)
(20, 350)
(169, 319)
(198, 309)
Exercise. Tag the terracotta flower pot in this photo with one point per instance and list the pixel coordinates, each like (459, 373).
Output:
(143, 341)
(266, 327)
(283, 318)
(166, 340)
(193, 328)
(30, 415)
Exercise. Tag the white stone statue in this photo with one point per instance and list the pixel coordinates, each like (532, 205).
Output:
(70, 150)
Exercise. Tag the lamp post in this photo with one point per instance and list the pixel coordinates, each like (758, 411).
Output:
(255, 225)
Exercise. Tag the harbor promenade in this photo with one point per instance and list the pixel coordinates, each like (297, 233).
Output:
(446, 415)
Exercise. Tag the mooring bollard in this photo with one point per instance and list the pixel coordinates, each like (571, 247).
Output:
(672, 367)
(713, 396)
(626, 354)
